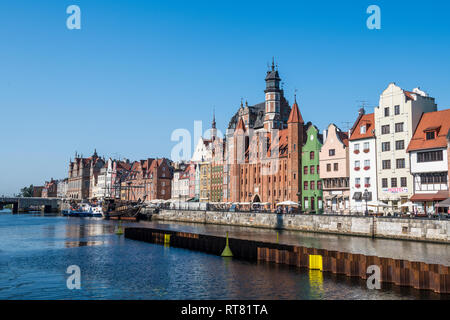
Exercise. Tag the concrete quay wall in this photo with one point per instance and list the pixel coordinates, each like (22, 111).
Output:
(376, 227)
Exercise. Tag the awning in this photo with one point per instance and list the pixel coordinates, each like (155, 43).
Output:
(357, 196)
(438, 196)
(445, 203)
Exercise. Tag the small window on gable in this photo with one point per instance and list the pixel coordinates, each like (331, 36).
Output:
(363, 129)
(430, 135)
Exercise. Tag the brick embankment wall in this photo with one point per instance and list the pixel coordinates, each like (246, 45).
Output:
(377, 227)
(418, 275)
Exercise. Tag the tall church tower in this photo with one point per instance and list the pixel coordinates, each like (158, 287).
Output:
(295, 145)
(273, 96)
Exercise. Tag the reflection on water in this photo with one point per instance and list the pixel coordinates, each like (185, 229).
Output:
(73, 244)
(35, 252)
(316, 284)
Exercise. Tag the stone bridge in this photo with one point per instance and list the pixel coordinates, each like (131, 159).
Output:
(25, 204)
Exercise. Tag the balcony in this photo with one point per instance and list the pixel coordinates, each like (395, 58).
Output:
(367, 185)
(366, 150)
(356, 151)
(357, 186)
(366, 168)
(357, 168)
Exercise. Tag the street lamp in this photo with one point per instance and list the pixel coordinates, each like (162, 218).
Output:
(366, 196)
(299, 202)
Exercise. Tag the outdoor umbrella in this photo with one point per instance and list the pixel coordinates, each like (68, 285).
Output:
(287, 203)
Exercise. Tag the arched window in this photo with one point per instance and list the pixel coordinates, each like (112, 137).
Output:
(311, 155)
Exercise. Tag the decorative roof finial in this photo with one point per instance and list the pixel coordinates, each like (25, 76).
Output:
(214, 118)
(273, 63)
(242, 102)
(295, 95)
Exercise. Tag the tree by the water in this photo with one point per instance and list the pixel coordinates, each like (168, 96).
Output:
(27, 192)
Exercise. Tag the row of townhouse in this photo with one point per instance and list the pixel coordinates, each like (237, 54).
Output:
(269, 156)
(398, 155)
(95, 178)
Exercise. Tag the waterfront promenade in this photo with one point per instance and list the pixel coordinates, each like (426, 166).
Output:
(430, 230)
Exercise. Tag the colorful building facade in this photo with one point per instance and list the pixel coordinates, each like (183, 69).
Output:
(312, 194)
(334, 171)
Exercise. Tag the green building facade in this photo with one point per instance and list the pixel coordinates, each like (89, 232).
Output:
(312, 194)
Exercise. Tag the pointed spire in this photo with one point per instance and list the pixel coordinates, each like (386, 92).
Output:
(295, 115)
(241, 125)
(214, 118)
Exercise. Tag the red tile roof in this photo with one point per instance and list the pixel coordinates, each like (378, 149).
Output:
(438, 121)
(369, 121)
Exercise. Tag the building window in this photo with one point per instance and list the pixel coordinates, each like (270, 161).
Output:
(356, 146)
(386, 112)
(385, 146)
(384, 182)
(357, 182)
(399, 144)
(397, 110)
(328, 167)
(386, 164)
(430, 156)
(305, 185)
(393, 182)
(305, 170)
(335, 165)
(357, 163)
(399, 127)
(403, 182)
(312, 184)
(311, 155)
(331, 152)
(367, 182)
(430, 135)
(318, 171)
(366, 163)
(366, 146)
(362, 129)
(311, 169)
(400, 163)
(385, 129)
(319, 185)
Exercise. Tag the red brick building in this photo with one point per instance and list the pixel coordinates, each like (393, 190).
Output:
(80, 172)
(50, 189)
(37, 191)
(264, 148)
(147, 180)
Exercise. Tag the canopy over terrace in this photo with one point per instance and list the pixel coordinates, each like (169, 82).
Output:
(444, 204)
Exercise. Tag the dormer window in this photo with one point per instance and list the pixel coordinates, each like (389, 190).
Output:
(363, 129)
(430, 135)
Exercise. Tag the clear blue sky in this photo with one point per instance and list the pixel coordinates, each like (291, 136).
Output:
(137, 70)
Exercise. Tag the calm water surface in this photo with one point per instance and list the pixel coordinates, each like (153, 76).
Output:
(36, 250)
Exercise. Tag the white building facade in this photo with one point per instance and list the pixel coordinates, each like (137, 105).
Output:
(429, 161)
(396, 119)
(363, 164)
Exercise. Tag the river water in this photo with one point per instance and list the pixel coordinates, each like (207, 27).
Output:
(36, 250)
